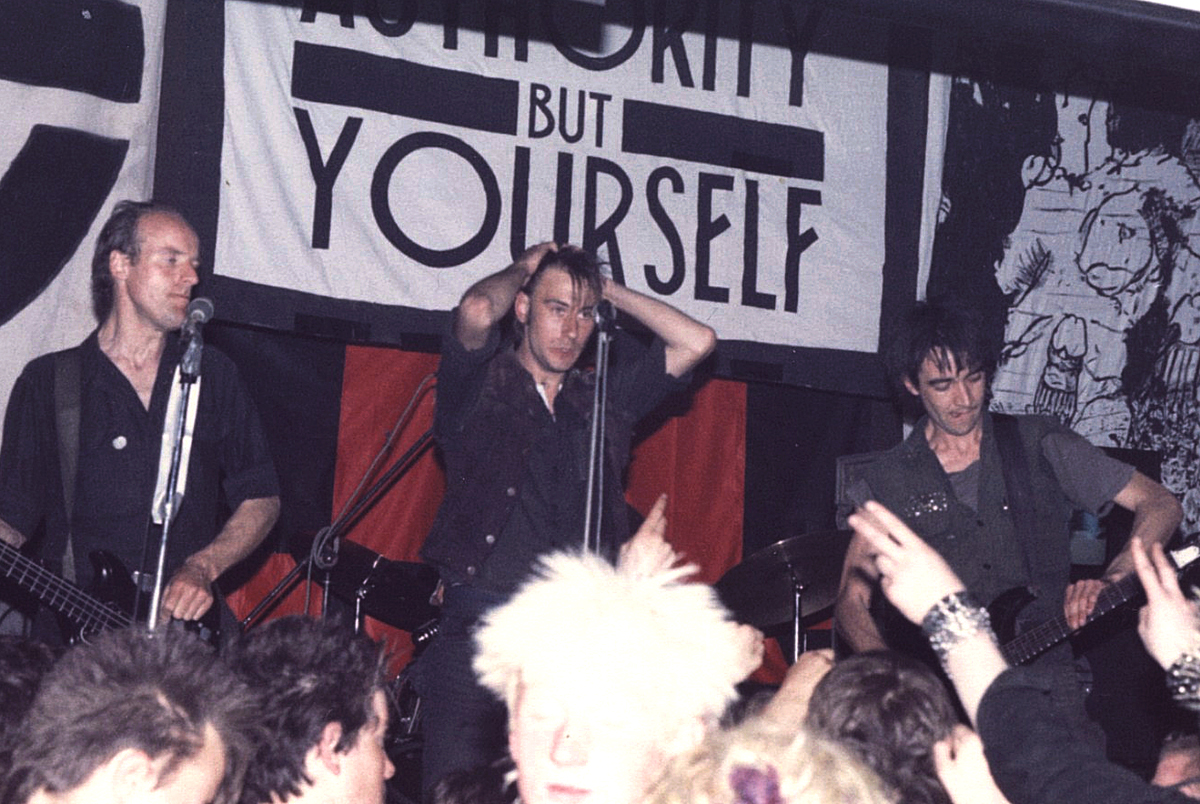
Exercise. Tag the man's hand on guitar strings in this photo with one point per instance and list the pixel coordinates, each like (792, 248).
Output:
(1080, 598)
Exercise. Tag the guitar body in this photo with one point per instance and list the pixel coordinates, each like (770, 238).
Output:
(1005, 609)
(113, 587)
(108, 606)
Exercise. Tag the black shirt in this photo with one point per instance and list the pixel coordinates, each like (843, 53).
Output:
(118, 459)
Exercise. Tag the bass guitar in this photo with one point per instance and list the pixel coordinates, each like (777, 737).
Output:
(85, 614)
(1040, 638)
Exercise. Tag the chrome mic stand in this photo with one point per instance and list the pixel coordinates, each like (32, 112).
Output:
(189, 372)
(593, 515)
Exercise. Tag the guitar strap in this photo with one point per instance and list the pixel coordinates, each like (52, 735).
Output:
(1015, 466)
(68, 393)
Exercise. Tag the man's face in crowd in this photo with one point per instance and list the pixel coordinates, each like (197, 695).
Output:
(570, 748)
(558, 322)
(196, 779)
(159, 283)
(366, 765)
(952, 396)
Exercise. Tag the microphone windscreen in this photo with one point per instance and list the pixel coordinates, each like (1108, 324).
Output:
(200, 309)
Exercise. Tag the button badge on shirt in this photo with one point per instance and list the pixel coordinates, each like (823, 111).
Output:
(120, 442)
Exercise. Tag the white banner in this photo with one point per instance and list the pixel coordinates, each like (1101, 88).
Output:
(76, 136)
(396, 162)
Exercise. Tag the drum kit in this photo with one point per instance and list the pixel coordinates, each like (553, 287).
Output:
(793, 581)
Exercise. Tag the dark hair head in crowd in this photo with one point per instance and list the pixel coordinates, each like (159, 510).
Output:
(119, 233)
(156, 692)
(306, 673)
(943, 332)
(23, 662)
(889, 710)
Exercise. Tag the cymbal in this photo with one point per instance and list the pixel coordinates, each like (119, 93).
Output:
(759, 590)
(395, 592)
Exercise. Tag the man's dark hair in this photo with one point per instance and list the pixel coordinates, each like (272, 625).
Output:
(581, 266)
(306, 673)
(155, 691)
(23, 663)
(119, 233)
(941, 331)
(889, 710)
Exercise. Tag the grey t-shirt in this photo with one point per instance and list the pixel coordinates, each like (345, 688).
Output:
(1089, 478)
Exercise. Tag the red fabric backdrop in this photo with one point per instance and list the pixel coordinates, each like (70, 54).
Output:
(698, 459)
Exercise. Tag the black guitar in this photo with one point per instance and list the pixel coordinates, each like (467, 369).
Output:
(1040, 638)
(83, 614)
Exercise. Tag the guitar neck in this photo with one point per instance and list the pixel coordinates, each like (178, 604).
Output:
(64, 597)
(1046, 635)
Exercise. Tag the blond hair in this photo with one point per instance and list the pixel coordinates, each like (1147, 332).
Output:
(647, 638)
(765, 762)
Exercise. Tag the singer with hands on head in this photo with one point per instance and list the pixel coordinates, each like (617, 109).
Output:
(119, 383)
(1029, 748)
(513, 421)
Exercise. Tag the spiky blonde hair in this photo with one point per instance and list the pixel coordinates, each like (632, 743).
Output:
(622, 634)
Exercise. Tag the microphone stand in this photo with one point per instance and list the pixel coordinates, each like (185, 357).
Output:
(593, 515)
(189, 372)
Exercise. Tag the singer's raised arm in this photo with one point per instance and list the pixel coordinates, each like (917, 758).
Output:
(688, 341)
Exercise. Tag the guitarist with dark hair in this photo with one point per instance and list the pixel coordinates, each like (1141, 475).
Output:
(100, 408)
(992, 493)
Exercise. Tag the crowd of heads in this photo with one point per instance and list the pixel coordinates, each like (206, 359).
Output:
(293, 711)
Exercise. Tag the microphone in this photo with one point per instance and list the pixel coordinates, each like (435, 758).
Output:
(605, 315)
(199, 311)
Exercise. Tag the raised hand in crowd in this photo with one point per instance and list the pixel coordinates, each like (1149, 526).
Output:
(921, 585)
(1169, 623)
(963, 769)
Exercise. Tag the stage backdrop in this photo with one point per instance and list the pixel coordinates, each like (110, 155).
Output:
(1071, 200)
(352, 167)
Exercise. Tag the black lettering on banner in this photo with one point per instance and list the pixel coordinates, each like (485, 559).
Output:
(325, 173)
(669, 36)
(712, 20)
(720, 140)
(519, 14)
(745, 47)
(751, 295)
(597, 63)
(343, 8)
(517, 236)
(49, 196)
(797, 243)
(392, 27)
(600, 98)
(707, 230)
(563, 183)
(336, 75)
(381, 207)
(799, 42)
(604, 232)
(450, 24)
(541, 117)
(539, 101)
(667, 227)
(59, 44)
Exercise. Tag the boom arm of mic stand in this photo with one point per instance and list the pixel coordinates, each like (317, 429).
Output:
(343, 525)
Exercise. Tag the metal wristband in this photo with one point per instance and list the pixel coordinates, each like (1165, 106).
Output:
(1183, 680)
(952, 619)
